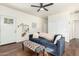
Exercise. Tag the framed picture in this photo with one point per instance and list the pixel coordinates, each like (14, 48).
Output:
(34, 25)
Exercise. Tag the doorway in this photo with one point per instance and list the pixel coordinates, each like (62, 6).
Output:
(8, 33)
(76, 28)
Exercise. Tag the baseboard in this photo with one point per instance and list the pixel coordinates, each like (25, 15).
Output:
(7, 44)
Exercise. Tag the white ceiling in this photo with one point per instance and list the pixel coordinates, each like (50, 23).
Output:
(53, 9)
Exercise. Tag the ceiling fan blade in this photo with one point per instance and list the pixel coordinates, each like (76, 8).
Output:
(34, 6)
(45, 9)
(38, 10)
(48, 4)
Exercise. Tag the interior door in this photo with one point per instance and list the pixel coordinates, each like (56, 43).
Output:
(8, 34)
(76, 28)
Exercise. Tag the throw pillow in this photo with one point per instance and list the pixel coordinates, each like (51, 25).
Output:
(57, 38)
(35, 35)
(47, 36)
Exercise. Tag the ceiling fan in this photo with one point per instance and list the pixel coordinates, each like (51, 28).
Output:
(42, 6)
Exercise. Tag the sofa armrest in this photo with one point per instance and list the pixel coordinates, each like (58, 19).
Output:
(60, 46)
(30, 36)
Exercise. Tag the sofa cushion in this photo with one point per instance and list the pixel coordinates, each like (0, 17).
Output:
(43, 42)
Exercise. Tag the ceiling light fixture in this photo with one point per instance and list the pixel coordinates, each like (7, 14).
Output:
(42, 6)
(41, 9)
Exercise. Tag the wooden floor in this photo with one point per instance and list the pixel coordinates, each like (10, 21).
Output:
(15, 50)
(71, 49)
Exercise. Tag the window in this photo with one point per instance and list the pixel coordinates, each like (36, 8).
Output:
(8, 20)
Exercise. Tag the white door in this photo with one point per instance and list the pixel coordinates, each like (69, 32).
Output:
(76, 28)
(7, 30)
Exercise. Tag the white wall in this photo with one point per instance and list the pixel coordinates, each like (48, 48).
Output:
(60, 24)
(22, 18)
(45, 26)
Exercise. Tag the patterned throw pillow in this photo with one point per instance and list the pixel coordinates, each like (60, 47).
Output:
(47, 36)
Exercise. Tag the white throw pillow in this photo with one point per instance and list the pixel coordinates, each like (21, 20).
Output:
(57, 38)
(47, 36)
(35, 35)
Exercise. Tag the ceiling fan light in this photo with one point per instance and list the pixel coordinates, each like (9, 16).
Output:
(41, 9)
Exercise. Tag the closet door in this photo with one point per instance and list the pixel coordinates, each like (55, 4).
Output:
(7, 30)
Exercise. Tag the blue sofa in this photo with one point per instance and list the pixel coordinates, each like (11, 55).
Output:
(54, 49)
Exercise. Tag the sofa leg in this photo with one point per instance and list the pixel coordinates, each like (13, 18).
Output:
(22, 46)
(37, 54)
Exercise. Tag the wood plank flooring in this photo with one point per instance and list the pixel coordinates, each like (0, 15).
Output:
(71, 49)
(15, 50)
